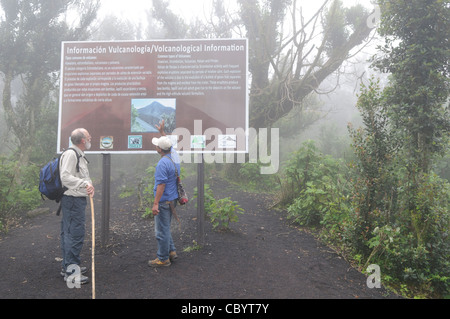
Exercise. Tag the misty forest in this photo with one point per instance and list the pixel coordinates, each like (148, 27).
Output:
(360, 96)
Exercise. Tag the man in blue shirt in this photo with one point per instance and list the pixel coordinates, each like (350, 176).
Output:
(166, 195)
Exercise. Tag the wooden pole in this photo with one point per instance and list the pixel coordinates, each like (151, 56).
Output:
(106, 198)
(93, 247)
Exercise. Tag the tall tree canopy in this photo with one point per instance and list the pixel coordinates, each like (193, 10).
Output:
(416, 53)
(285, 66)
(30, 37)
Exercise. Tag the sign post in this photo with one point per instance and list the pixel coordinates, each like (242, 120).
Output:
(201, 201)
(106, 196)
(120, 90)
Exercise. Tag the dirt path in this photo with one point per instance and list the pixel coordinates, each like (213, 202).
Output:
(262, 257)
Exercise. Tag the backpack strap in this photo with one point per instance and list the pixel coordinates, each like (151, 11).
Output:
(78, 157)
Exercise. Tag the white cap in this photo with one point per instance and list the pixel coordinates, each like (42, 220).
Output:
(163, 142)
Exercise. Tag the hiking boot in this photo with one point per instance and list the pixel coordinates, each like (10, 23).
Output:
(173, 255)
(77, 278)
(159, 263)
(83, 270)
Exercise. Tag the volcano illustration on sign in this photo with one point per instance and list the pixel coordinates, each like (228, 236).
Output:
(147, 113)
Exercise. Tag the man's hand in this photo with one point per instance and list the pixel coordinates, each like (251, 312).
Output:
(160, 128)
(159, 193)
(155, 209)
(90, 190)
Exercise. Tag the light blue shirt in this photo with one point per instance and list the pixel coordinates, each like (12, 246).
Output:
(165, 174)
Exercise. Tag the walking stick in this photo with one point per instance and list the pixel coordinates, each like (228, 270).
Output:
(93, 247)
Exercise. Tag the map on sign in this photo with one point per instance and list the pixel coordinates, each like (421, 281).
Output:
(120, 90)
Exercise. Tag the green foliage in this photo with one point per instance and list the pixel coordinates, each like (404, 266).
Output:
(376, 208)
(406, 129)
(323, 197)
(194, 247)
(250, 176)
(298, 172)
(126, 191)
(310, 206)
(400, 216)
(335, 27)
(418, 252)
(223, 212)
(145, 192)
(30, 38)
(374, 183)
(416, 53)
(208, 197)
(308, 165)
(16, 198)
(135, 126)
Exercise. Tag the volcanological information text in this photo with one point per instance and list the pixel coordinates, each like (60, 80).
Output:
(155, 48)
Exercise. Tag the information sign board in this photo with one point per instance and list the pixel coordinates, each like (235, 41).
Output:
(120, 90)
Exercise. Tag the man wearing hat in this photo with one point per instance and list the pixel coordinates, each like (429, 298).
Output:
(165, 194)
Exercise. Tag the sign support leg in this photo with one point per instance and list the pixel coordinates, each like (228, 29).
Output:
(201, 201)
(106, 190)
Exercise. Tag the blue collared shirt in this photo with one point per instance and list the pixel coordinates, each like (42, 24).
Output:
(165, 174)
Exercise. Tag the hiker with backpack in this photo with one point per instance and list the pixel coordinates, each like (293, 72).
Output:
(74, 175)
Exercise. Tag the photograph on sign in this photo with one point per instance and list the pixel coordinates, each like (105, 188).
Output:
(146, 114)
(120, 91)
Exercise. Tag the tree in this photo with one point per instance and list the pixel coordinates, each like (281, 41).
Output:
(30, 36)
(401, 205)
(113, 28)
(285, 68)
(374, 190)
(416, 53)
(165, 24)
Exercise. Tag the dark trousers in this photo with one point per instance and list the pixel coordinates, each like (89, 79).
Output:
(72, 229)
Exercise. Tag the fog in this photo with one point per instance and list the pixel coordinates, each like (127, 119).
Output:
(328, 110)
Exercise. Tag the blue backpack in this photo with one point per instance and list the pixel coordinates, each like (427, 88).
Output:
(50, 184)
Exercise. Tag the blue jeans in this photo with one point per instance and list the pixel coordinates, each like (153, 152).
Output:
(72, 229)
(162, 231)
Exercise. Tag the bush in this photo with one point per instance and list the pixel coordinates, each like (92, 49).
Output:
(419, 255)
(301, 168)
(320, 185)
(223, 212)
(16, 198)
(209, 197)
(366, 212)
(400, 212)
(145, 192)
(250, 176)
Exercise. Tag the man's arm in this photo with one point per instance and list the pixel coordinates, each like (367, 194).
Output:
(159, 192)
